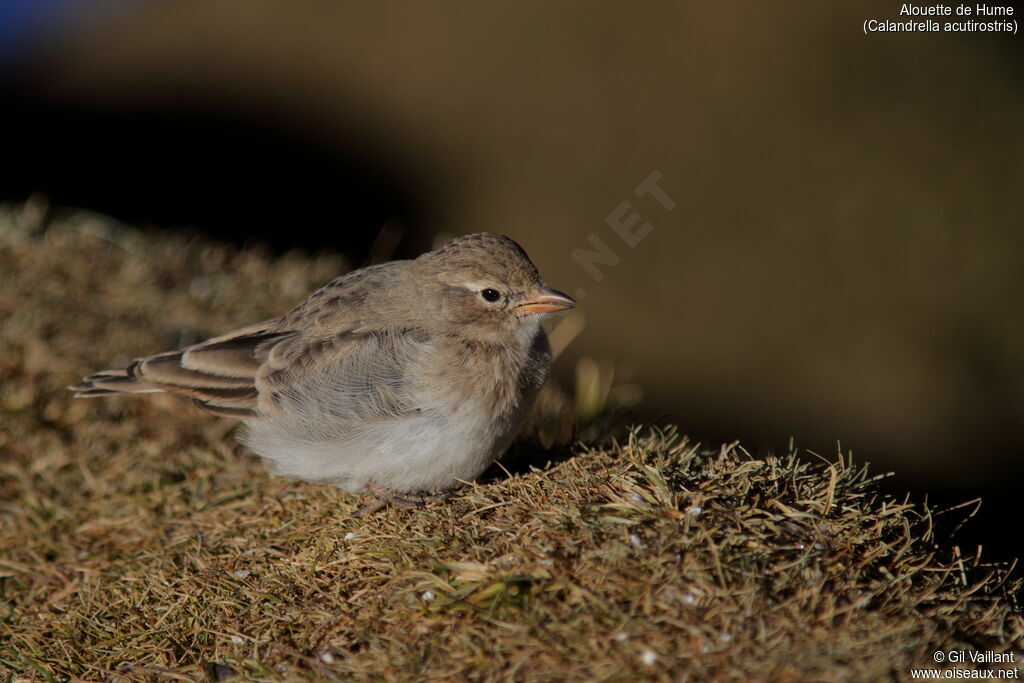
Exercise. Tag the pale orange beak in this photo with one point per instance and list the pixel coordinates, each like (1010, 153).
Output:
(548, 300)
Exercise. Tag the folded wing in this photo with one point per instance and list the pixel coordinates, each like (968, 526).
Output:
(219, 374)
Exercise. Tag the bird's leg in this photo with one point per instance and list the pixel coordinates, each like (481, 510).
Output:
(386, 496)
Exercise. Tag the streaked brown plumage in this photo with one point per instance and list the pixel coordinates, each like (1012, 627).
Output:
(408, 376)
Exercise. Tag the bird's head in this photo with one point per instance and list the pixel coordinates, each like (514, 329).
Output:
(485, 286)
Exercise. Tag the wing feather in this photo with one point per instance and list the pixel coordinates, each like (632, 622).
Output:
(232, 357)
(324, 357)
(218, 374)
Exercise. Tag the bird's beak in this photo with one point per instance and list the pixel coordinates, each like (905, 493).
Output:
(547, 300)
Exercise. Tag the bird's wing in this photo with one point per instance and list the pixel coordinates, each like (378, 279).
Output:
(329, 354)
(355, 375)
(352, 359)
(219, 374)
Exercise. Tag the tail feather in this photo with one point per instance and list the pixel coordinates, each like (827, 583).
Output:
(111, 382)
(89, 393)
(218, 374)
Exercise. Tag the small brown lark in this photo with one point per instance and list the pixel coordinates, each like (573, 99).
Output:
(410, 376)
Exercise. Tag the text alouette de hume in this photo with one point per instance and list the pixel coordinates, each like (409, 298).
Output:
(917, 18)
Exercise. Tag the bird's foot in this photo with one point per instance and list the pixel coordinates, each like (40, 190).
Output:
(386, 497)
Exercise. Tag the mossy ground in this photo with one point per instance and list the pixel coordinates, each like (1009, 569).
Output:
(138, 541)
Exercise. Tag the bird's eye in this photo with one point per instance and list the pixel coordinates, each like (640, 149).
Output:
(491, 295)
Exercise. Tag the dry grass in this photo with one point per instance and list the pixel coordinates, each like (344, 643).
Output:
(139, 542)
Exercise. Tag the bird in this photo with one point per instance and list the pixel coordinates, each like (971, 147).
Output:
(400, 379)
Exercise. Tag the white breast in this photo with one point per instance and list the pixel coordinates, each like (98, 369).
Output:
(420, 453)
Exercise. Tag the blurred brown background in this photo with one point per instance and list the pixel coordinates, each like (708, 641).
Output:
(843, 259)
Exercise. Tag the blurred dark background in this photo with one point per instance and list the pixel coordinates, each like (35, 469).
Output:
(843, 259)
